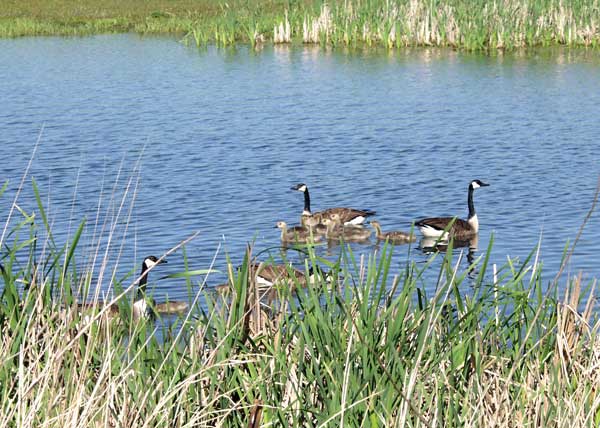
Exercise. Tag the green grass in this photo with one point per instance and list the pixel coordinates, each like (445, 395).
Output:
(479, 25)
(490, 347)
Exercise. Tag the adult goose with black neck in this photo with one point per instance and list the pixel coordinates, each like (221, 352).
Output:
(170, 307)
(142, 305)
(452, 227)
(348, 216)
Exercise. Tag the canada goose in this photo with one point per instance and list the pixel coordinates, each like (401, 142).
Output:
(395, 237)
(335, 230)
(348, 216)
(298, 234)
(461, 229)
(141, 308)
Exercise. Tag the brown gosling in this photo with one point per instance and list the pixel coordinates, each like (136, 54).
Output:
(297, 234)
(394, 237)
(171, 307)
(335, 231)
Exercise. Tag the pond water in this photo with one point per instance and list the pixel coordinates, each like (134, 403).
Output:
(211, 140)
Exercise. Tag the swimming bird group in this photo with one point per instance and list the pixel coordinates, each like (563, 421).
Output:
(342, 223)
(332, 224)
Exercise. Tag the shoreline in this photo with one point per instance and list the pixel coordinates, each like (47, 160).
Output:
(392, 25)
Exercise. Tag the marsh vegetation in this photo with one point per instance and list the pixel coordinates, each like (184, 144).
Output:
(392, 23)
(492, 345)
(379, 344)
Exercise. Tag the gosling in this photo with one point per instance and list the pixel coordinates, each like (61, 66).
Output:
(297, 234)
(337, 232)
(394, 237)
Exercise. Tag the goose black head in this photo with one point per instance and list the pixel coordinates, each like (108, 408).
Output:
(475, 184)
(316, 272)
(301, 187)
(151, 261)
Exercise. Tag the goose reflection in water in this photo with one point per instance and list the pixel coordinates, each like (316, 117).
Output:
(433, 245)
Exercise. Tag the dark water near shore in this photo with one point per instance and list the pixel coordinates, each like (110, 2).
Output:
(211, 140)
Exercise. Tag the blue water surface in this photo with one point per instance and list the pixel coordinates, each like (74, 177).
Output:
(150, 141)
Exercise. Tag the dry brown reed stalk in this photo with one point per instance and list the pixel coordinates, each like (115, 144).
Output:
(573, 325)
(255, 415)
(254, 320)
(108, 403)
(40, 366)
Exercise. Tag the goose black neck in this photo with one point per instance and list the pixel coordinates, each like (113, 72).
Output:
(306, 200)
(470, 202)
(141, 291)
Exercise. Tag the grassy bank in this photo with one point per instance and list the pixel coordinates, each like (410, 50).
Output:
(491, 347)
(393, 23)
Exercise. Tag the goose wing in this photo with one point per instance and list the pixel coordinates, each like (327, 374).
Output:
(437, 223)
(459, 226)
(440, 223)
